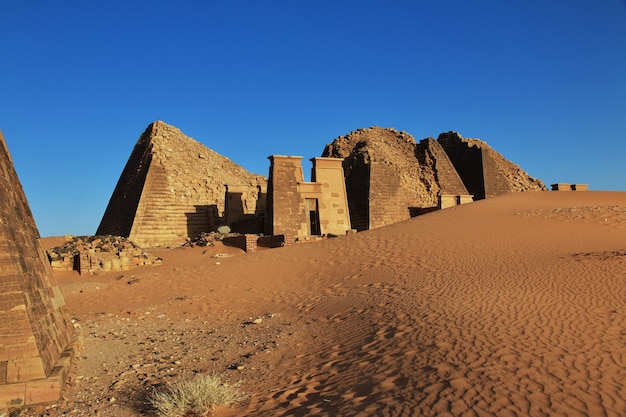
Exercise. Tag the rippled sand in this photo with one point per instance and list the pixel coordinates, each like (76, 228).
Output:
(513, 306)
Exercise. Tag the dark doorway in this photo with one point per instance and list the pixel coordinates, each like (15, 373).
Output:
(314, 216)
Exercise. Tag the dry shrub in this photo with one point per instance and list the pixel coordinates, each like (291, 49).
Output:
(194, 397)
(223, 230)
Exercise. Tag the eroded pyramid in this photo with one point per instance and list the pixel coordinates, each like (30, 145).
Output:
(390, 177)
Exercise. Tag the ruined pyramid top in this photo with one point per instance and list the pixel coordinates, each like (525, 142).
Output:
(374, 144)
(184, 156)
(399, 149)
(418, 172)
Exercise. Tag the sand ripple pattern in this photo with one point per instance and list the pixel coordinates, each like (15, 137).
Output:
(486, 326)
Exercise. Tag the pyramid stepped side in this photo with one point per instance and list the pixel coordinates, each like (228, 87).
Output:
(447, 178)
(496, 181)
(35, 330)
(485, 172)
(120, 212)
(177, 188)
(516, 178)
(162, 219)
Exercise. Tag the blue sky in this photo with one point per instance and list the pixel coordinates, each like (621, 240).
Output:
(542, 82)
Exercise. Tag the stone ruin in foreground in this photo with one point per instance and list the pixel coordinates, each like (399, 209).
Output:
(173, 188)
(35, 331)
(93, 254)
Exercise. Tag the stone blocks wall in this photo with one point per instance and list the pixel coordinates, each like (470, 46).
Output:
(34, 327)
(447, 201)
(285, 209)
(161, 218)
(494, 179)
(288, 194)
(569, 187)
(333, 201)
(246, 242)
(244, 208)
(467, 198)
(561, 187)
(388, 203)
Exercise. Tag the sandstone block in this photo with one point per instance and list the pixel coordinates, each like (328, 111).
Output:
(43, 391)
(25, 369)
(12, 395)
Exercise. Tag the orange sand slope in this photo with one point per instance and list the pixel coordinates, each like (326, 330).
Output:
(512, 306)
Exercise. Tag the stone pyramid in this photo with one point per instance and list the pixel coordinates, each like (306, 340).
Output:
(390, 177)
(35, 330)
(485, 172)
(173, 188)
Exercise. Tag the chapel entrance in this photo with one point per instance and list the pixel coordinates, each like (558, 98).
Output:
(314, 217)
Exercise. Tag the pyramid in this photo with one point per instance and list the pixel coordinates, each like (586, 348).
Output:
(35, 330)
(173, 188)
(485, 172)
(390, 177)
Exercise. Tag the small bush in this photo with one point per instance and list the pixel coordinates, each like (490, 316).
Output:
(223, 230)
(196, 397)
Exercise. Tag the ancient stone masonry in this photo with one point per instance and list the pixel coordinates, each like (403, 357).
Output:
(173, 188)
(569, 187)
(244, 209)
(449, 200)
(390, 177)
(91, 254)
(299, 209)
(35, 330)
(485, 172)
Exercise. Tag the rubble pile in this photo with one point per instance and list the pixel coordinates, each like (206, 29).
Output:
(208, 239)
(92, 254)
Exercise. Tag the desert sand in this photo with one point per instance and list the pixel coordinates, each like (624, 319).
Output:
(512, 306)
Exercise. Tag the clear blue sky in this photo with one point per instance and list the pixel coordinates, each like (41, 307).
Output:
(542, 82)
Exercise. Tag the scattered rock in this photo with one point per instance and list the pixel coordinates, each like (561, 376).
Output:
(93, 254)
(208, 239)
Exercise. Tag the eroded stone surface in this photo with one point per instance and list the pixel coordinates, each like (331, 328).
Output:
(391, 177)
(93, 254)
(34, 327)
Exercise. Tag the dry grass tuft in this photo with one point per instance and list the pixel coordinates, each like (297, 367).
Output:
(195, 397)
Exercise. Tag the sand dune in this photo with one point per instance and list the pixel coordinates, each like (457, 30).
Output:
(513, 306)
